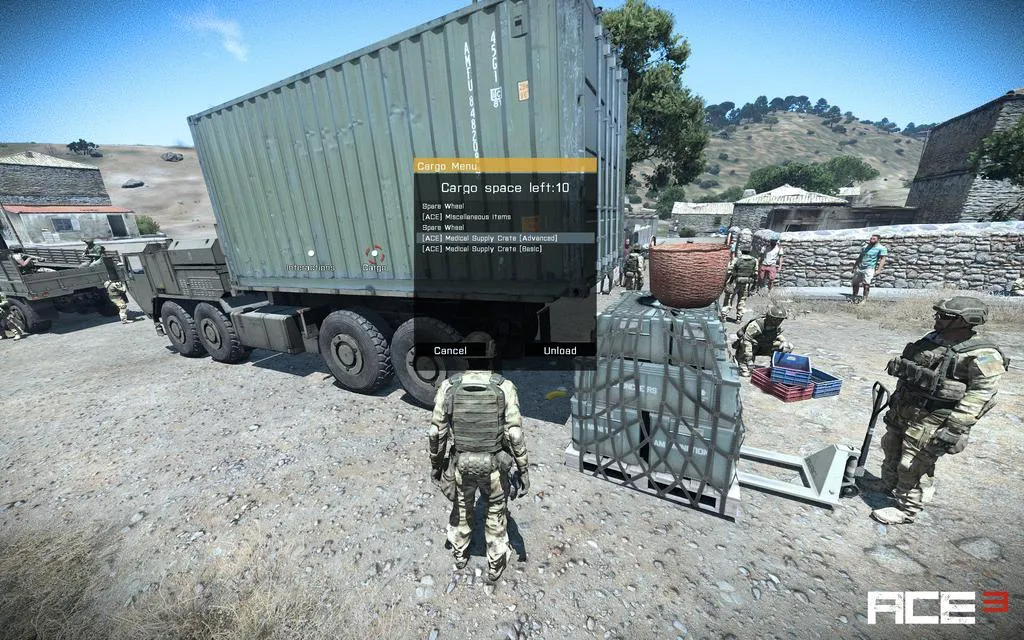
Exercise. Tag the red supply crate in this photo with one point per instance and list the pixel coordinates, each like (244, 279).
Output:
(786, 392)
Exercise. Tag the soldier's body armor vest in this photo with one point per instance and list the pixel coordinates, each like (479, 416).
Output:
(926, 368)
(768, 334)
(632, 264)
(746, 268)
(477, 412)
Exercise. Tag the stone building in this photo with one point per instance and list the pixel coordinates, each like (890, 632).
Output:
(785, 208)
(702, 217)
(47, 200)
(944, 189)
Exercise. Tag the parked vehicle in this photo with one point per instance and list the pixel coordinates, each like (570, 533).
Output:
(311, 181)
(59, 284)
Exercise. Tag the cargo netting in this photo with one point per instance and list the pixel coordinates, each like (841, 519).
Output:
(659, 408)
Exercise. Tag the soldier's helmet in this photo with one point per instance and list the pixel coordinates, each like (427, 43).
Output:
(776, 312)
(107, 283)
(972, 310)
(491, 347)
(88, 241)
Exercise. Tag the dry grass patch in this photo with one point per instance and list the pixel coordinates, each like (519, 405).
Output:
(65, 585)
(904, 313)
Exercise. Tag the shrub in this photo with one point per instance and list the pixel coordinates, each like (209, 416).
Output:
(714, 169)
(634, 198)
(687, 232)
(723, 156)
(899, 151)
(147, 225)
(732, 172)
(652, 194)
(707, 184)
(810, 132)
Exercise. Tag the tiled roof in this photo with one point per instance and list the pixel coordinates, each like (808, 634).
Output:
(702, 208)
(787, 194)
(32, 158)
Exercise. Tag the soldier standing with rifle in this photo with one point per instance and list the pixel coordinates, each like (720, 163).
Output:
(947, 382)
(475, 437)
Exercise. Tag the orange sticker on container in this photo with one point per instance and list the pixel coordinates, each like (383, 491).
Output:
(524, 90)
(531, 224)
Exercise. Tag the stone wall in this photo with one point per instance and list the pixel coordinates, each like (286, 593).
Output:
(751, 216)
(944, 190)
(700, 222)
(34, 185)
(976, 256)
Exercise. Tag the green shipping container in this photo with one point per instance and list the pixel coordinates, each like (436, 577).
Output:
(310, 175)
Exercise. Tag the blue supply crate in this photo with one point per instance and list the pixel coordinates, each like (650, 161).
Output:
(825, 384)
(789, 368)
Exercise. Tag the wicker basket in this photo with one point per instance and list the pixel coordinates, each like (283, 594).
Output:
(690, 275)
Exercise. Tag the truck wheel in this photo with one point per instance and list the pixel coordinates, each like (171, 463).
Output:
(421, 376)
(29, 317)
(356, 351)
(181, 330)
(107, 309)
(218, 336)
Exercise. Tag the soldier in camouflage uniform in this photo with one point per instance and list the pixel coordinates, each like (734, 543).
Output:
(740, 278)
(761, 337)
(632, 273)
(947, 382)
(7, 320)
(118, 294)
(93, 252)
(475, 438)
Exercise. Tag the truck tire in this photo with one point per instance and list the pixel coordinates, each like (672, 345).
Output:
(106, 308)
(422, 376)
(356, 351)
(180, 328)
(218, 335)
(30, 318)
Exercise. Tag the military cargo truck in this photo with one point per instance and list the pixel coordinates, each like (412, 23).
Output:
(311, 182)
(38, 295)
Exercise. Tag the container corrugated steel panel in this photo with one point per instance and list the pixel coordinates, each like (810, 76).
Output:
(318, 168)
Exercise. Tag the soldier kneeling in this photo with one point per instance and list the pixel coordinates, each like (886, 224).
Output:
(475, 437)
(761, 337)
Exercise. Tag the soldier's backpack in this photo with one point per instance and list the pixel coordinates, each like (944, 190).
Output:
(746, 268)
(632, 263)
(478, 412)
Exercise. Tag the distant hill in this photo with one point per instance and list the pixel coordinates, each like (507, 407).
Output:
(174, 193)
(802, 137)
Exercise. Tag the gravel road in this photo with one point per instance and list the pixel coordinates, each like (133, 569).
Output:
(183, 470)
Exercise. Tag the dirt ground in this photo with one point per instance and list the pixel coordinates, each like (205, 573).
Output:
(148, 495)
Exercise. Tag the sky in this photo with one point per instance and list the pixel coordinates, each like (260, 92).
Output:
(131, 72)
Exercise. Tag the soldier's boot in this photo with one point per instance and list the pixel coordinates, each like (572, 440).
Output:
(744, 369)
(494, 572)
(461, 559)
(892, 515)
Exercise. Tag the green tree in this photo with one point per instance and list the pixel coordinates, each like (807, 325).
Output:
(147, 225)
(812, 177)
(82, 147)
(667, 199)
(1000, 156)
(665, 120)
(846, 170)
(771, 121)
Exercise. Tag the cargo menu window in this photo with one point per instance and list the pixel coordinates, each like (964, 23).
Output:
(506, 249)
